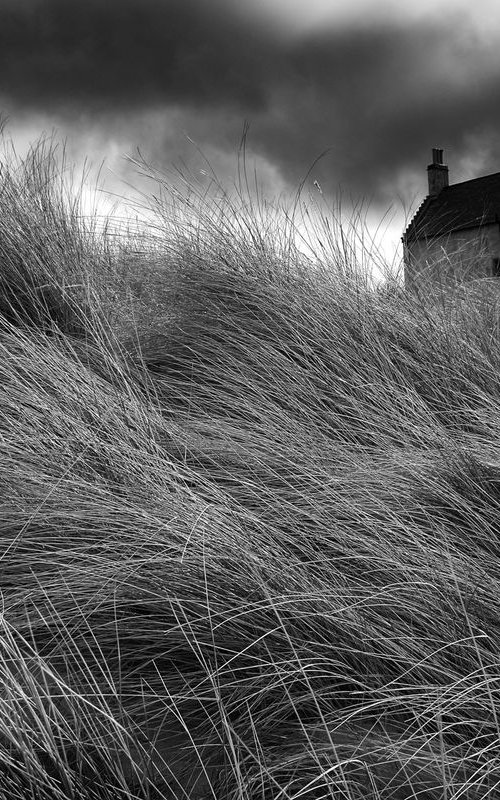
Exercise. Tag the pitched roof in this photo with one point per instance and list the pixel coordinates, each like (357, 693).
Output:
(462, 205)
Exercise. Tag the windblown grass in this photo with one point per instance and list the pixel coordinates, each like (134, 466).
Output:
(250, 504)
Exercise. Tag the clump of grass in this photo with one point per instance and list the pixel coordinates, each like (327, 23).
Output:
(249, 515)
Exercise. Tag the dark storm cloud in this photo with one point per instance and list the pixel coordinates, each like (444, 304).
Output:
(377, 97)
(131, 52)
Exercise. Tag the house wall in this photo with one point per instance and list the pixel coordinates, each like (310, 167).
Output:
(463, 255)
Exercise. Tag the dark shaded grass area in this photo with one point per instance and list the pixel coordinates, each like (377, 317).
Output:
(249, 517)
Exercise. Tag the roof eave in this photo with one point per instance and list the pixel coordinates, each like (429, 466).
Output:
(415, 235)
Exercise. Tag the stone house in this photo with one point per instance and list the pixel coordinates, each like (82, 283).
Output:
(455, 233)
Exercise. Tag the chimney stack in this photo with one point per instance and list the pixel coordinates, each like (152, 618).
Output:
(437, 173)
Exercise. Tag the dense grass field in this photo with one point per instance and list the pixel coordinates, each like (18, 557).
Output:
(250, 514)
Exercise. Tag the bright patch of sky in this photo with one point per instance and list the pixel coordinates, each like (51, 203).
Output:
(297, 16)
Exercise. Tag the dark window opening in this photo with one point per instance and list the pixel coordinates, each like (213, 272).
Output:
(495, 267)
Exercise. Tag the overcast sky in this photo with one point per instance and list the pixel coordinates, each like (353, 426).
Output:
(375, 84)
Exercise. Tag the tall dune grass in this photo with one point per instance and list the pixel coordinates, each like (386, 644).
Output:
(250, 514)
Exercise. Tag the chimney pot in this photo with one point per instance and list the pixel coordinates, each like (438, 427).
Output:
(437, 156)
